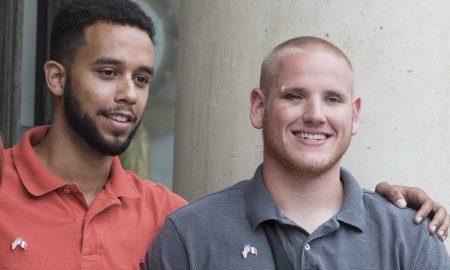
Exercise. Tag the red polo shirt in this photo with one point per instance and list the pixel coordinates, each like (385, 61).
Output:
(61, 231)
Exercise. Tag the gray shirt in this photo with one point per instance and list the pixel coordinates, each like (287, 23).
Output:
(368, 233)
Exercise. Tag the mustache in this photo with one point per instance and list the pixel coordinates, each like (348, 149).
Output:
(120, 109)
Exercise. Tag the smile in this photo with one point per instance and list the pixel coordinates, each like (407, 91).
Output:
(121, 117)
(311, 136)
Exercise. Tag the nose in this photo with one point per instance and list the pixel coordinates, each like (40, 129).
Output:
(314, 113)
(126, 92)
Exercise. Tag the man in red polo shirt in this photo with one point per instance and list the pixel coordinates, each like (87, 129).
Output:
(65, 201)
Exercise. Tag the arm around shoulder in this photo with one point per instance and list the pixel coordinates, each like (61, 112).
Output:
(168, 251)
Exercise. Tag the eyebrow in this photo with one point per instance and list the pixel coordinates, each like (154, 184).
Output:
(108, 61)
(149, 70)
(291, 89)
(112, 61)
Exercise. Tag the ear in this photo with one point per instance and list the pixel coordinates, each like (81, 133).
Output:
(257, 103)
(356, 112)
(56, 77)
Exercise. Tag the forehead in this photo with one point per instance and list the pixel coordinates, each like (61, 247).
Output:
(319, 68)
(106, 40)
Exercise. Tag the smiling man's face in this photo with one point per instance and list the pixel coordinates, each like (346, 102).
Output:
(310, 115)
(108, 86)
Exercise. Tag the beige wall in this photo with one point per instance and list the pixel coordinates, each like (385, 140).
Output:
(401, 55)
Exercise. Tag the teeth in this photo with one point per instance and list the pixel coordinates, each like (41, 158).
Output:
(309, 136)
(119, 118)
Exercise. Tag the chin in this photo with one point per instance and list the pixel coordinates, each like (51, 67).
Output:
(308, 166)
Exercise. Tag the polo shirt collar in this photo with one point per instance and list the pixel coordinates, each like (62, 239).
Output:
(39, 181)
(32, 172)
(352, 211)
(261, 207)
(119, 183)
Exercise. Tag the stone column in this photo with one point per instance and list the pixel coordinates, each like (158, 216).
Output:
(401, 54)
(11, 23)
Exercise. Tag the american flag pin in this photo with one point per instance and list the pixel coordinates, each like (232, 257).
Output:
(249, 249)
(19, 242)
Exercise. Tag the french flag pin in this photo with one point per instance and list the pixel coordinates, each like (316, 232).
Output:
(19, 242)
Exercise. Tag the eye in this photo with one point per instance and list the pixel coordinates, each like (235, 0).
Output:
(107, 73)
(332, 100)
(294, 97)
(141, 80)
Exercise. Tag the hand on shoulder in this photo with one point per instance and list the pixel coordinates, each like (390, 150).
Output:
(417, 199)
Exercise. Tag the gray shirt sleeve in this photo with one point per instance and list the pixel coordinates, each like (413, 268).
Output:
(168, 251)
(433, 255)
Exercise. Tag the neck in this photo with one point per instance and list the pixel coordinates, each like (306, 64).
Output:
(67, 156)
(309, 201)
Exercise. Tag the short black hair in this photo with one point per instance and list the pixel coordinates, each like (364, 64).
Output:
(71, 21)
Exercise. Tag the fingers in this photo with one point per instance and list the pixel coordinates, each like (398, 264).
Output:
(440, 220)
(441, 217)
(392, 192)
(418, 200)
(427, 206)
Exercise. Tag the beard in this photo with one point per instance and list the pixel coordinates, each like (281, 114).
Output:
(83, 125)
(287, 158)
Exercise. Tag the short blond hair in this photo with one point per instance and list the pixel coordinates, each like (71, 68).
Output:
(296, 45)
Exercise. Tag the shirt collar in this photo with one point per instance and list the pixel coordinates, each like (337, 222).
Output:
(352, 211)
(261, 207)
(119, 183)
(39, 181)
(32, 172)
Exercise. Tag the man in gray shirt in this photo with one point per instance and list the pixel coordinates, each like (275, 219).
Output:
(301, 210)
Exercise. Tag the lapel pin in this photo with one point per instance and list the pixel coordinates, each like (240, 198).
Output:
(249, 249)
(19, 242)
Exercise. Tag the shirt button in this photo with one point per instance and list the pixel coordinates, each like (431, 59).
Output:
(66, 190)
(307, 247)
